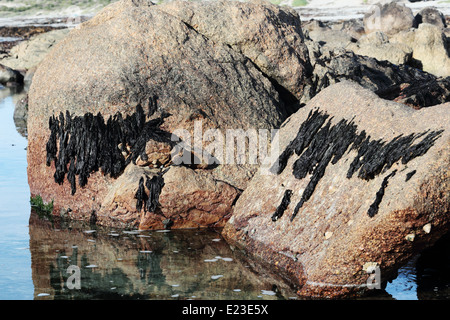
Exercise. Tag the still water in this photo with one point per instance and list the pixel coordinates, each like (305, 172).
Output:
(38, 257)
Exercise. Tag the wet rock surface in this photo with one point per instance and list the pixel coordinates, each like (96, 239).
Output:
(350, 204)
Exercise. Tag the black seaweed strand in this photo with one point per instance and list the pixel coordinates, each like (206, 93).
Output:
(373, 209)
(283, 205)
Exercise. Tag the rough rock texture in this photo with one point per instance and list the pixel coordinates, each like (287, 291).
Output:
(189, 198)
(367, 177)
(389, 18)
(28, 54)
(377, 45)
(331, 38)
(277, 49)
(118, 86)
(400, 83)
(430, 48)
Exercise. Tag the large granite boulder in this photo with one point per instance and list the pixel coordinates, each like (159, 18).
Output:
(277, 49)
(360, 186)
(105, 101)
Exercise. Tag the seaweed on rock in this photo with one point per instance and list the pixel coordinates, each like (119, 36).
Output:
(373, 209)
(319, 143)
(140, 196)
(154, 185)
(283, 205)
(410, 174)
(88, 144)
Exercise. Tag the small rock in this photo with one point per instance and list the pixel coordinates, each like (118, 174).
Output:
(427, 228)
(9, 76)
(369, 267)
(377, 45)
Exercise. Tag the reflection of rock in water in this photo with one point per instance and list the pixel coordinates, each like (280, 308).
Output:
(21, 113)
(20, 100)
(142, 265)
(433, 271)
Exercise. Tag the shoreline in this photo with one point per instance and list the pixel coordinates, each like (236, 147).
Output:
(329, 11)
(322, 10)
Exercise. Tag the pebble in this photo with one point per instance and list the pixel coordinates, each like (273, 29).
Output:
(427, 228)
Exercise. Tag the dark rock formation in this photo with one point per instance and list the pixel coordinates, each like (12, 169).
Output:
(400, 83)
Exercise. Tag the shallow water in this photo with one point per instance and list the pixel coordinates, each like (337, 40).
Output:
(38, 257)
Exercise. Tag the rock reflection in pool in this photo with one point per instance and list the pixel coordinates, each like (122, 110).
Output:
(162, 265)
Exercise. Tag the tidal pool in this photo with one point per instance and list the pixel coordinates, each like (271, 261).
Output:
(45, 259)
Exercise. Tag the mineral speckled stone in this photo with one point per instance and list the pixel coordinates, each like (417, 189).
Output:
(116, 87)
(347, 158)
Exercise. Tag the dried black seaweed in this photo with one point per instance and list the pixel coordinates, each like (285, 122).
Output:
(318, 143)
(140, 195)
(409, 175)
(154, 185)
(283, 205)
(88, 144)
(373, 209)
